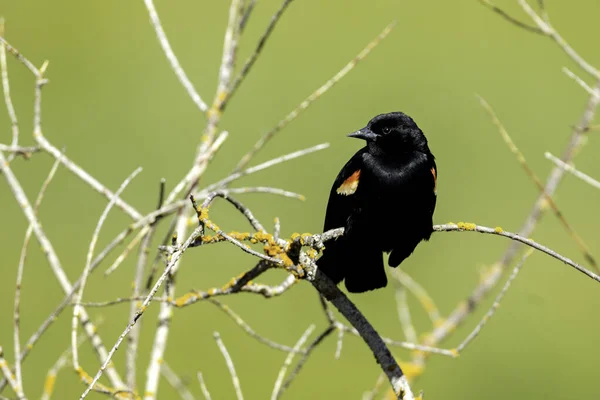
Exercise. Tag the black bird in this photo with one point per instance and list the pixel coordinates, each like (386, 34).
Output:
(384, 197)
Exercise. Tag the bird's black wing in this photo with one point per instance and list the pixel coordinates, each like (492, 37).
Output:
(347, 257)
(343, 195)
(424, 186)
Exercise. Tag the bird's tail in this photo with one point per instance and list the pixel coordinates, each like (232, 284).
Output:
(332, 261)
(361, 267)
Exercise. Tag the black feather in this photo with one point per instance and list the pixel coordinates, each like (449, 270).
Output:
(390, 208)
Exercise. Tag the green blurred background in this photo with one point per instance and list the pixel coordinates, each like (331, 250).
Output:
(114, 102)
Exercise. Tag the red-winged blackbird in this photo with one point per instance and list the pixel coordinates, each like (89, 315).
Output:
(384, 197)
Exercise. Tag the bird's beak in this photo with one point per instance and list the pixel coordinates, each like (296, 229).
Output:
(364, 133)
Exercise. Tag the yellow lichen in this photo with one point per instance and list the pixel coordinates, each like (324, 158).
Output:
(498, 229)
(264, 237)
(287, 262)
(202, 214)
(182, 300)
(213, 112)
(411, 370)
(439, 322)
(466, 226)
(241, 236)
(49, 384)
(273, 250)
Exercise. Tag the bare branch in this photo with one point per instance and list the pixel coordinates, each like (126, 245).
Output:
(140, 311)
(242, 324)
(468, 227)
(12, 115)
(175, 381)
(278, 389)
(310, 99)
(19, 57)
(382, 354)
(203, 387)
(410, 333)
(569, 168)
(580, 82)
(254, 56)
(236, 175)
(9, 376)
(54, 262)
(164, 43)
(304, 358)
(538, 183)
(509, 18)
(78, 308)
(495, 305)
(547, 29)
(20, 269)
(420, 293)
(230, 366)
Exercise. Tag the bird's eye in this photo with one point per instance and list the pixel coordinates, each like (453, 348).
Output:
(386, 130)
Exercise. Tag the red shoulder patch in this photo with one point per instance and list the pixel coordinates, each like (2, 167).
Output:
(434, 173)
(350, 185)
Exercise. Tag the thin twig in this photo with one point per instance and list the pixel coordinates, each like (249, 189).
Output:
(569, 168)
(267, 164)
(61, 362)
(246, 12)
(230, 366)
(495, 305)
(310, 99)
(242, 324)
(19, 150)
(133, 339)
(371, 395)
(420, 293)
(203, 387)
(56, 267)
(276, 229)
(232, 35)
(549, 30)
(166, 47)
(468, 227)
(304, 358)
(20, 269)
(175, 381)
(398, 343)
(277, 388)
(140, 311)
(509, 18)
(79, 295)
(580, 82)
(20, 57)
(47, 146)
(12, 115)
(254, 56)
(410, 334)
(9, 376)
(538, 183)
(165, 314)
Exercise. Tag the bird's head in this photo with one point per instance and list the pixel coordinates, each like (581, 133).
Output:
(392, 133)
